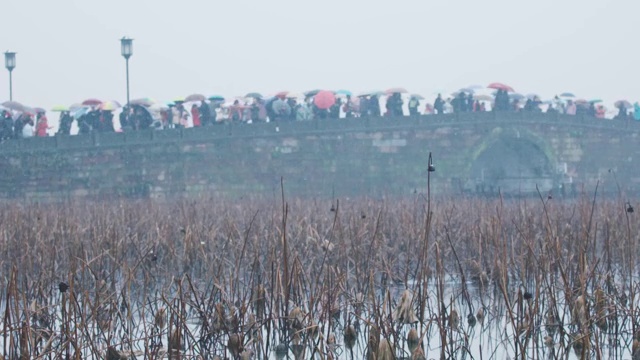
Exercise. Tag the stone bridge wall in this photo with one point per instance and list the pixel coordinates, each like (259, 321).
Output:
(484, 152)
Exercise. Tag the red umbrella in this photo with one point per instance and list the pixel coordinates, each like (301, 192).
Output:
(91, 102)
(500, 86)
(324, 99)
(282, 94)
(397, 90)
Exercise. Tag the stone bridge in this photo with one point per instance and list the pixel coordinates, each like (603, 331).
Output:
(476, 153)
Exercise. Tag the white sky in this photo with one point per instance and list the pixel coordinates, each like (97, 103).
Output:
(70, 50)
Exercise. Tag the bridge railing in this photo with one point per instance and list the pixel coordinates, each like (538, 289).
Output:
(366, 124)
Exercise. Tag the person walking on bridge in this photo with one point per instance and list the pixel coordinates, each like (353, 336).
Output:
(438, 105)
(42, 126)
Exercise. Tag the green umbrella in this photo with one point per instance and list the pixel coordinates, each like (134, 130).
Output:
(254, 95)
(60, 108)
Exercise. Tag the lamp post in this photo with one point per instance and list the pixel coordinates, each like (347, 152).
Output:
(126, 48)
(10, 64)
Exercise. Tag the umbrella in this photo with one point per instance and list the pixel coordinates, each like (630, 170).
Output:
(312, 92)
(13, 105)
(417, 96)
(324, 99)
(216, 98)
(483, 97)
(595, 101)
(79, 111)
(516, 96)
(254, 95)
(582, 102)
(142, 101)
(110, 105)
(467, 90)
(178, 100)
(344, 92)
(39, 110)
(282, 94)
(397, 90)
(60, 108)
(371, 93)
(500, 86)
(29, 111)
(92, 102)
(159, 107)
(622, 103)
(567, 94)
(292, 95)
(195, 97)
(475, 87)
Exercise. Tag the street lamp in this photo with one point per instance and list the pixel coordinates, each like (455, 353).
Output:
(10, 64)
(126, 48)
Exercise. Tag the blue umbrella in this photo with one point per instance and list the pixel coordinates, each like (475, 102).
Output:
(78, 112)
(344, 92)
(216, 98)
(567, 94)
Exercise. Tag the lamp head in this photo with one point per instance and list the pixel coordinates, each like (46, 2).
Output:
(126, 47)
(10, 60)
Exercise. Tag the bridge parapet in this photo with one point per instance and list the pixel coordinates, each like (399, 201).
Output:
(474, 152)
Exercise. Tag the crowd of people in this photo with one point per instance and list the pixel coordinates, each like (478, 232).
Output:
(93, 115)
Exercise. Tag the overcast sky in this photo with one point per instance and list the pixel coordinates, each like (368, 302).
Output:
(70, 50)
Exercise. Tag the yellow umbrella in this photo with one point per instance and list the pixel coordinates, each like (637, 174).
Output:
(110, 105)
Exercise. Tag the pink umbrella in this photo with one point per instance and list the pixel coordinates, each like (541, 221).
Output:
(324, 99)
(500, 86)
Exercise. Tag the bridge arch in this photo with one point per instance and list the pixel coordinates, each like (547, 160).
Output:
(512, 160)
